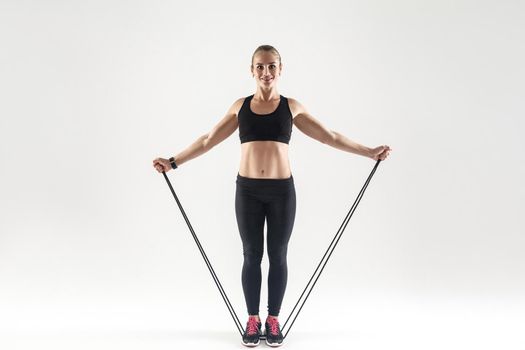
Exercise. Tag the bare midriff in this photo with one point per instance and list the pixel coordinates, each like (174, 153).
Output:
(265, 160)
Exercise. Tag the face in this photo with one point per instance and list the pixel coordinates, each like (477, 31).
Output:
(266, 69)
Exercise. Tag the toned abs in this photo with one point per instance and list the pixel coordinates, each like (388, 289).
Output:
(264, 159)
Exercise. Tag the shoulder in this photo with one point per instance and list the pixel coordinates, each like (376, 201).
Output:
(236, 106)
(295, 107)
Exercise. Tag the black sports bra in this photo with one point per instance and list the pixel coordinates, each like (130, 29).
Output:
(275, 126)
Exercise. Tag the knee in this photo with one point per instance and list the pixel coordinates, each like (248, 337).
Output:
(277, 256)
(252, 256)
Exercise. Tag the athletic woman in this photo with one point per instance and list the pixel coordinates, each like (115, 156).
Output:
(264, 185)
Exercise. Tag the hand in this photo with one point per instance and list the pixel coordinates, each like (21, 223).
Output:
(380, 152)
(162, 165)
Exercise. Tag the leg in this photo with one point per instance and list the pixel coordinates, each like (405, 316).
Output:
(250, 220)
(280, 221)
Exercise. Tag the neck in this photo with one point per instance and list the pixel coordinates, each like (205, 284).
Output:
(266, 94)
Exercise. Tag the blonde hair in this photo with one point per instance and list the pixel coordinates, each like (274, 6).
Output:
(267, 48)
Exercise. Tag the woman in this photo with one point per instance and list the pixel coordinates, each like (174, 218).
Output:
(264, 185)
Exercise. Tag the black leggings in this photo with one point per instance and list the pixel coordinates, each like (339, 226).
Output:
(255, 200)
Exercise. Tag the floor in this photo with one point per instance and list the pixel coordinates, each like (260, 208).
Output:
(481, 324)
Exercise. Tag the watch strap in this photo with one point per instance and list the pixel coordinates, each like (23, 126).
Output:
(172, 162)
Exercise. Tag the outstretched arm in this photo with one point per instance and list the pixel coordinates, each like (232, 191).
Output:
(316, 130)
(224, 128)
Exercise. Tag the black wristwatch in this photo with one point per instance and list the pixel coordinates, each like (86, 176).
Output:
(172, 162)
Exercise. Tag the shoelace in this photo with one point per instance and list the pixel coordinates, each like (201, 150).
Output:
(252, 326)
(274, 326)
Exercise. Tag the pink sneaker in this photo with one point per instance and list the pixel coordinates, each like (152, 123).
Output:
(274, 337)
(252, 333)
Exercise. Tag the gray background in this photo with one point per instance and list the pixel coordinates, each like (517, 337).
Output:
(95, 253)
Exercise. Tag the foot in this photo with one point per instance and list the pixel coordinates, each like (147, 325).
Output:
(274, 337)
(253, 332)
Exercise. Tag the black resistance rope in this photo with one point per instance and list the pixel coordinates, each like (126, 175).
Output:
(309, 285)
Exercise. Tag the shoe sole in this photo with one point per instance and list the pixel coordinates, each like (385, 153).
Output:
(273, 345)
(250, 345)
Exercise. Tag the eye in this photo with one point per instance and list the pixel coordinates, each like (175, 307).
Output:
(272, 66)
(259, 67)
